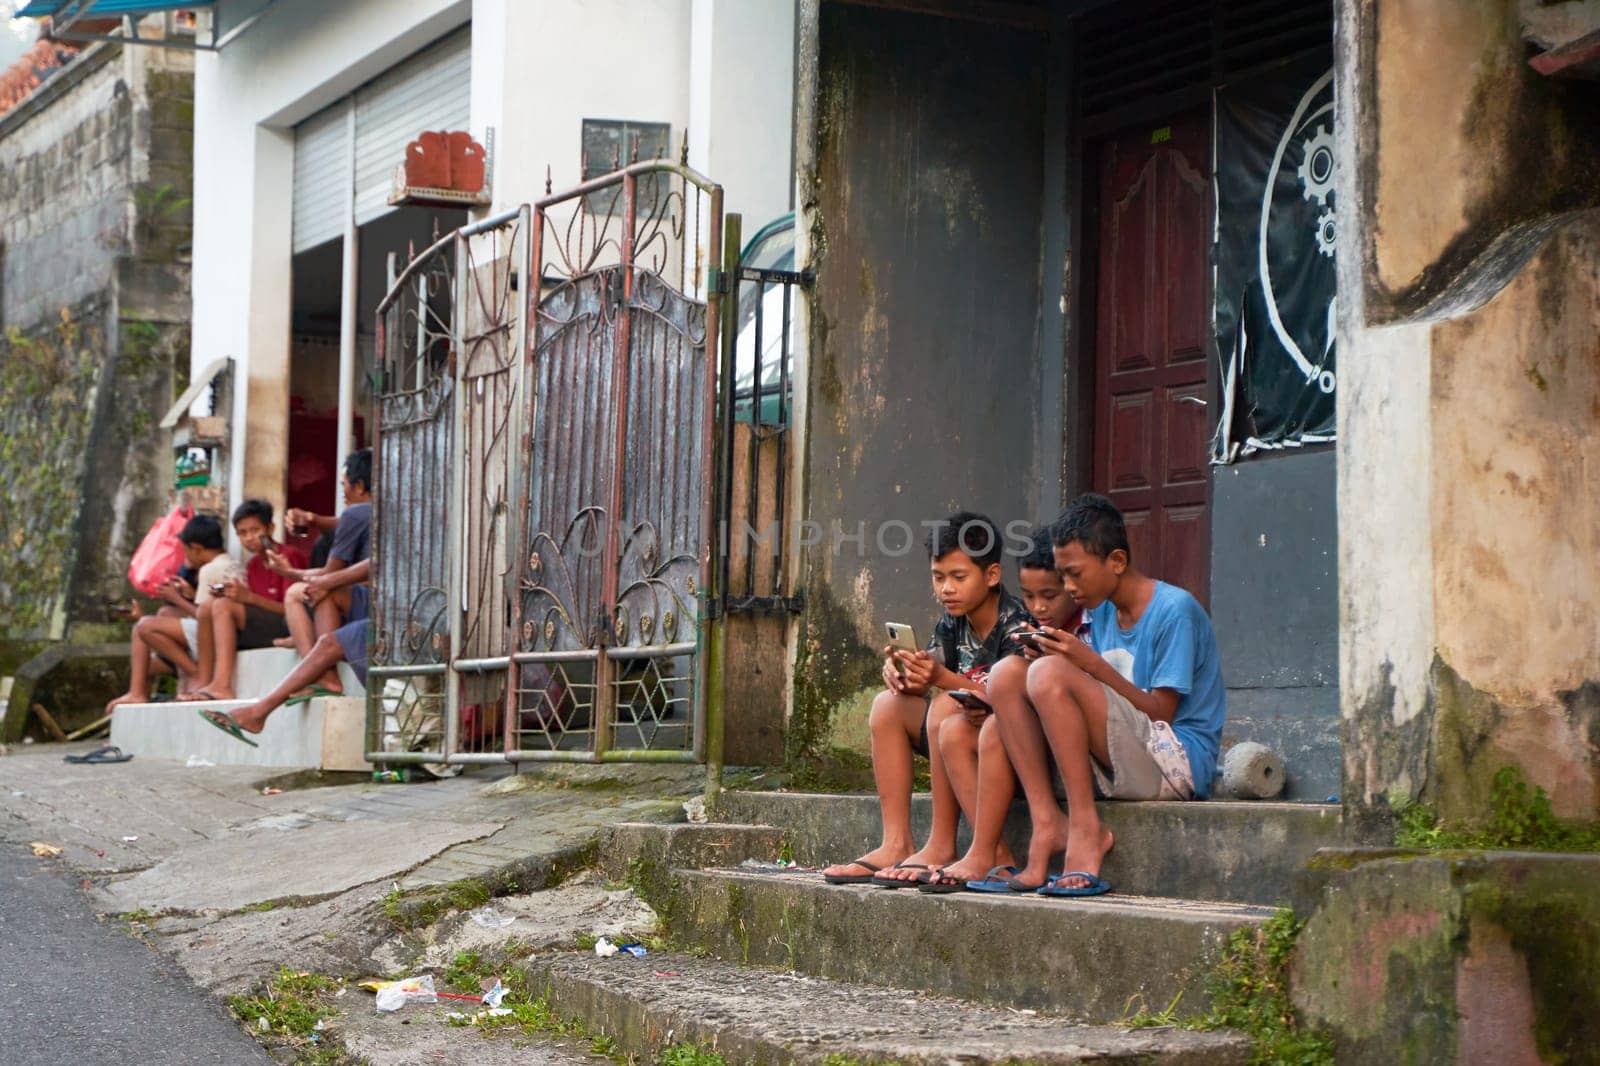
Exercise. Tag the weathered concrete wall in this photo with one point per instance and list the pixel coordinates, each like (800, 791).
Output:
(922, 199)
(1275, 607)
(94, 192)
(1452, 958)
(1469, 405)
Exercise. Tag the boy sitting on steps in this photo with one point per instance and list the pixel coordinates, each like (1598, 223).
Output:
(971, 635)
(1140, 714)
(984, 779)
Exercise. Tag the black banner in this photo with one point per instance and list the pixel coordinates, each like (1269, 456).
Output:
(1275, 283)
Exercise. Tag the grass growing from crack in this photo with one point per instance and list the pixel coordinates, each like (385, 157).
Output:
(689, 1055)
(1520, 818)
(1250, 992)
(418, 908)
(288, 1012)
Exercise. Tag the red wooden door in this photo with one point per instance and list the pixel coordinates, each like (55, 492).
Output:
(1152, 424)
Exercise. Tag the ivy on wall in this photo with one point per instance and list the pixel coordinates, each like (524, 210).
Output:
(48, 379)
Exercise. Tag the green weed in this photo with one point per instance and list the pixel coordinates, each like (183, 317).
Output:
(1520, 818)
(689, 1055)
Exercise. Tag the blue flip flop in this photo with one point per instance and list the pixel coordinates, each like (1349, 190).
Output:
(993, 882)
(1097, 886)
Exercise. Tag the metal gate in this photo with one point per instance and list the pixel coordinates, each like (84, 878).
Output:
(544, 481)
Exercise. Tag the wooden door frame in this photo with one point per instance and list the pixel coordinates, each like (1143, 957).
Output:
(1086, 139)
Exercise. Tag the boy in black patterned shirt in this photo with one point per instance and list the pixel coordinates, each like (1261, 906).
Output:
(974, 632)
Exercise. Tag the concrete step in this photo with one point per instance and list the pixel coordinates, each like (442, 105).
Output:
(645, 853)
(1215, 850)
(327, 733)
(754, 1015)
(1099, 959)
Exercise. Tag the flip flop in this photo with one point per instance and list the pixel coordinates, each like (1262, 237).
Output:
(1097, 886)
(317, 691)
(853, 879)
(226, 723)
(995, 883)
(939, 883)
(97, 756)
(895, 882)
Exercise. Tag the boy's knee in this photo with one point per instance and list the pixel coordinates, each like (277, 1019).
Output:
(1009, 674)
(956, 735)
(1050, 674)
(989, 736)
(328, 644)
(885, 711)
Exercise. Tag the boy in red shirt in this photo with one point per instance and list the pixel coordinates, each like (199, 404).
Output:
(248, 614)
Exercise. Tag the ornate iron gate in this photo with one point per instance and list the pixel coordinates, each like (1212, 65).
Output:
(547, 419)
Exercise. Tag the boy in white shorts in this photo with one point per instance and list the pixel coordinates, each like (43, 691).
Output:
(1139, 714)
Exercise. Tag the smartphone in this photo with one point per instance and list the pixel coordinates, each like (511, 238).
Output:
(1030, 637)
(971, 700)
(265, 544)
(902, 637)
(218, 588)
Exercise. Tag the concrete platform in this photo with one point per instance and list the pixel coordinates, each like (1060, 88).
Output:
(1212, 850)
(1100, 959)
(327, 733)
(752, 1015)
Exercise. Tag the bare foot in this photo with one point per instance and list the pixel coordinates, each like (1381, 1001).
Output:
(127, 697)
(971, 867)
(1086, 852)
(251, 719)
(283, 642)
(916, 865)
(1047, 842)
(881, 857)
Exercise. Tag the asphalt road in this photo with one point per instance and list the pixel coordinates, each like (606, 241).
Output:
(74, 990)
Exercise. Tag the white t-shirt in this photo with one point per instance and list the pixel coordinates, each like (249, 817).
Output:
(215, 572)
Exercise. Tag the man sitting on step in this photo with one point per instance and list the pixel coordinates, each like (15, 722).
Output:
(348, 644)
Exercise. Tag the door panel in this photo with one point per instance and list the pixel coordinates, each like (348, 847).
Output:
(1152, 424)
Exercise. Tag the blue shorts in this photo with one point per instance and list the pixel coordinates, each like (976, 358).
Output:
(360, 603)
(352, 639)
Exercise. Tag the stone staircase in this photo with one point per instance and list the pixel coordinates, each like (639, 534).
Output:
(774, 966)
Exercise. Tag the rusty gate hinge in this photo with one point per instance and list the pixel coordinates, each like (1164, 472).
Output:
(718, 281)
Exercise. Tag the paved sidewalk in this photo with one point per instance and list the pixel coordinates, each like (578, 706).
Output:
(235, 884)
(156, 835)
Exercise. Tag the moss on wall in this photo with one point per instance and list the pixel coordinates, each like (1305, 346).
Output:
(48, 382)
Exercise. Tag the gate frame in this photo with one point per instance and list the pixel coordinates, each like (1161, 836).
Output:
(712, 281)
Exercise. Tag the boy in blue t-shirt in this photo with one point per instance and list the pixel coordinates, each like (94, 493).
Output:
(1140, 714)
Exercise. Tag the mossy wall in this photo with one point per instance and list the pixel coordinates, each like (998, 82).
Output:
(95, 180)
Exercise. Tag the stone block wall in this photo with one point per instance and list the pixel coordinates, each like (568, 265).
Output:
(95, 182)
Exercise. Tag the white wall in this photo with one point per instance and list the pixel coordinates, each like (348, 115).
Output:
(741, 131)
(538, 69)
(301, 56)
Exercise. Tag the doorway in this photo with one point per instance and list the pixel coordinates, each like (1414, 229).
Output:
(1152, 420)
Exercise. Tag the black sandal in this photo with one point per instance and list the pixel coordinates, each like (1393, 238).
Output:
(104, 753)
(896, 882)
(853, 879)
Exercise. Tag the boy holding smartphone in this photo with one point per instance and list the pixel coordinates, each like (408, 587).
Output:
(971, 635)
(974, 757)
(248, 614)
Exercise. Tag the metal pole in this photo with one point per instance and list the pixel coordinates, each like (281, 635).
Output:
(350, 296)
(713, 679)
(456, 566)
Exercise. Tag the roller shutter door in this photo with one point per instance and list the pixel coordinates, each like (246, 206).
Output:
(321, 176)
(430, 91)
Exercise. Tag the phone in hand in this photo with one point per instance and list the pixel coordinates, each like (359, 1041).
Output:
(218, 588)
(1030, 637)
(971, 700)
(902, 638)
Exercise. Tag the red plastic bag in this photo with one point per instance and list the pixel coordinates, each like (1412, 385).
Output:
(160, 554)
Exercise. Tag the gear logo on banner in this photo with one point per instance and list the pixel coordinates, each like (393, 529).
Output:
(1310, 136)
